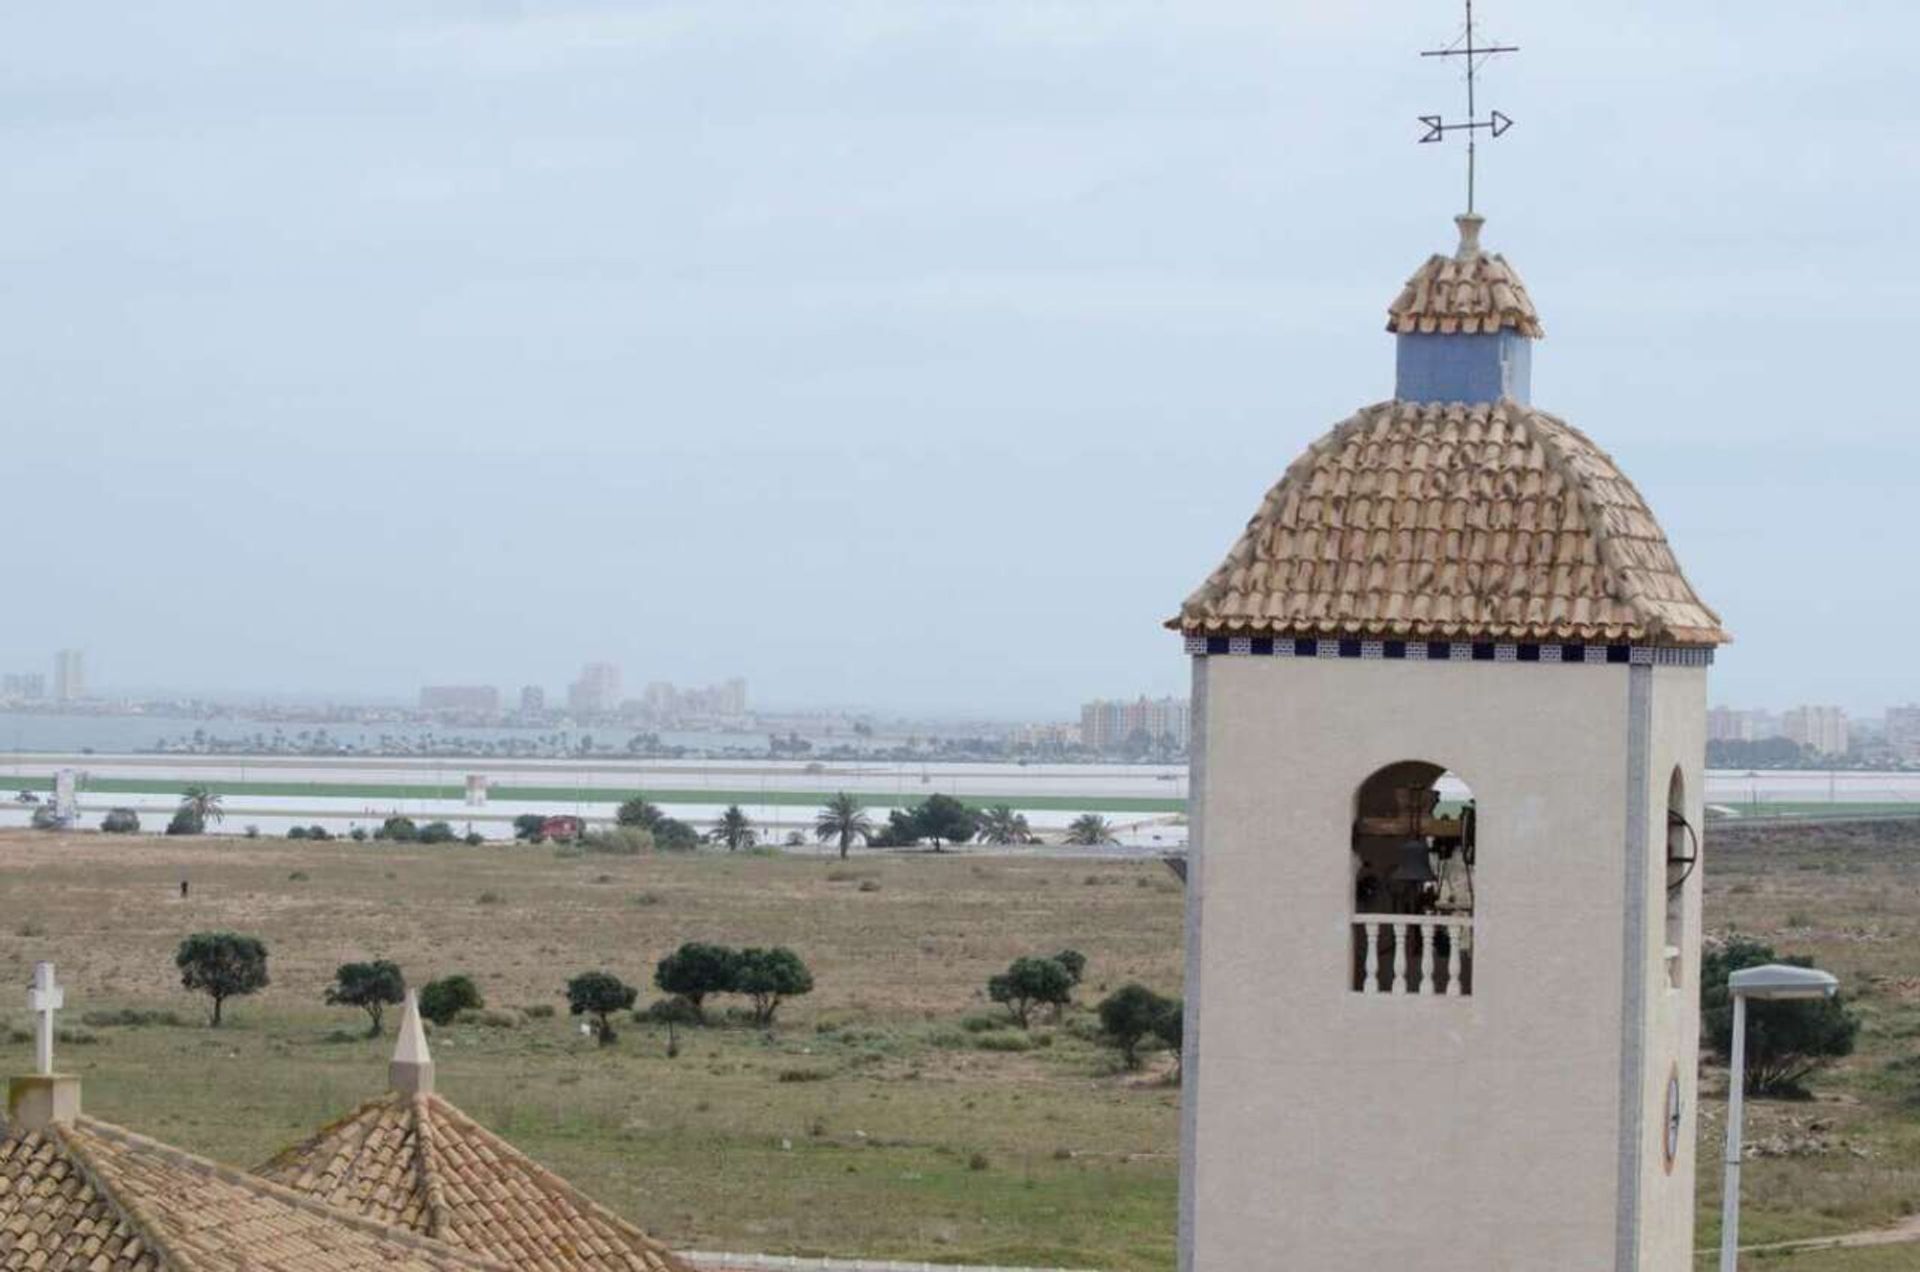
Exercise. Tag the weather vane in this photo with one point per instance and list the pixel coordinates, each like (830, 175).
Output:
(1477, 55)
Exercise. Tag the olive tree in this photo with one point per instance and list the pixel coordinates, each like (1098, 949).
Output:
(1787, 1040)
(599, 995)
(372, 987)
(696, 970)
(770, 977)
(222, 965)
(1131, 1015)
(1029, 983)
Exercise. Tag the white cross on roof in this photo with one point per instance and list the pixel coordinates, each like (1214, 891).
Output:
(43, 999)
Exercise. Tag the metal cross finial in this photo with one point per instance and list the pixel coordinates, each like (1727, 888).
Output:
(43, 999)
(1495, 124)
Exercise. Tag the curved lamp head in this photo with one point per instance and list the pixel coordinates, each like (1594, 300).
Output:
(1779, 980)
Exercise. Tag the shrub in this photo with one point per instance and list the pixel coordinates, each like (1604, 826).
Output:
(442, 1000)
(398, 829)
(1004, 1042)
(599, 995)
(527, 825)
(770, 977)
(369, 986)
(619, 841)
(1027, 984)
(121, 821)
(638, 812)
(491, 898)
(437, 832)
(538, 1011)
(251, 832)
(671, 1012)
(696, 970)
(319, 832)
(131, 1018)
(1131, 1015)
(296, 832)
(297, 876)
(358, 834)
(1075, 962)
(1786, 1040)
(222, 965)
(187, 822)
(674, 835)
(474, 839)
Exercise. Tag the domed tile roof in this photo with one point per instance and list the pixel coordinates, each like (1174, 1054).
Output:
(1470, 292)
(1450, 521)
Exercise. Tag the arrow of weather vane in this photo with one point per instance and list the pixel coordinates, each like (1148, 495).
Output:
(1494, 124)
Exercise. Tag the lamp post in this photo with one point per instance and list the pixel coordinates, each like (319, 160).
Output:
(1772, 982)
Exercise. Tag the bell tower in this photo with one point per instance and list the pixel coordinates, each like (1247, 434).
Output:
(1449, 695)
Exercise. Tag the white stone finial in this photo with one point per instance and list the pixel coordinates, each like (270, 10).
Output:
(1469, 223)
(411, 1070)
(43, 999)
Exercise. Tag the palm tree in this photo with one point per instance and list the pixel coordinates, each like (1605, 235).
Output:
(843, 818)
(1001, 825)
(203, 804)
(734, 829)
(1090, 830)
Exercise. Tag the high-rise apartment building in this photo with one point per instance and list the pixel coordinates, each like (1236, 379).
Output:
(1821, 729)
(1903, 731)
(1110, 725)
(596, 692)
(23, 686)
(475, 699)
(1728, 724)
(69, 676)
(533, 700)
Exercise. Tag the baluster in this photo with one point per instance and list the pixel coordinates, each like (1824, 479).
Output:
(1400, 957)
(1429, 957)
(1370, 983)
(1454, 988)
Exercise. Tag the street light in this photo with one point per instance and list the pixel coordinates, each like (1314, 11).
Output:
(1772, 982)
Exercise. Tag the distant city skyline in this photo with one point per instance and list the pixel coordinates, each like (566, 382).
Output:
(874, 386)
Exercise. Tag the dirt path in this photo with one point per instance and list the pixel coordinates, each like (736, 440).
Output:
(1906, 1230)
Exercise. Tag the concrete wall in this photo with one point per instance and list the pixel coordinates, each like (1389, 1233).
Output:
(1330, 1130)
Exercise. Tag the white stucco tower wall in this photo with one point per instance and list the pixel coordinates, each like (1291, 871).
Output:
(1522, 1127)
(1387, 1072)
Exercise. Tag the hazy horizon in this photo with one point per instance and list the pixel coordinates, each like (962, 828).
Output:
(907, 354)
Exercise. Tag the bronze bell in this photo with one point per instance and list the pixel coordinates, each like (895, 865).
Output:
(1413, 865)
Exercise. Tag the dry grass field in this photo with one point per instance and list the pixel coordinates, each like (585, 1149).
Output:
(873, 1120)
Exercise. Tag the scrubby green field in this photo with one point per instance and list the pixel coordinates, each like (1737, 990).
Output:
(874, 1121)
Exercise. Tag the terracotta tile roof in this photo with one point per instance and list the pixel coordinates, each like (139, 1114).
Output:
(1470, 291)
(418, 1161)
(88, 1195)
(1437, 520)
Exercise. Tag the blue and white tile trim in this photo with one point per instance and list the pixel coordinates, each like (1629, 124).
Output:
(1447, 651)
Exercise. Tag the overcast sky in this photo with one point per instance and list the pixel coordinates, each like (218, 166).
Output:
(920, 355)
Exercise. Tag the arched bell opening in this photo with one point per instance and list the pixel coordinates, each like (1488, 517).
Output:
(1683, 858)
(1413, 857)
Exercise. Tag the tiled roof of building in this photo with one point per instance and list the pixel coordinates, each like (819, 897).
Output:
(89, 1195)
(417, 1161)
(1470, 291)
(1448, 521)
